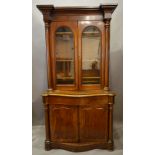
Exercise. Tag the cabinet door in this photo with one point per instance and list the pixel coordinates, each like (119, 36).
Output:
(64, 54)
(64, 123)
(93, 123)
(91, 62)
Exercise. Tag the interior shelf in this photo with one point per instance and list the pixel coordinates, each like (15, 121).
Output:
(64, 33)
(90, 60)
(65, 60)
(65, 78)
(93, 34)
(91, 77)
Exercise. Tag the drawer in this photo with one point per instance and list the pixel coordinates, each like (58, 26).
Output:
(64, 100)
(95, 100)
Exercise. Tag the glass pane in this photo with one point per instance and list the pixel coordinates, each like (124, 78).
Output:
(64, 56)
(91, 55)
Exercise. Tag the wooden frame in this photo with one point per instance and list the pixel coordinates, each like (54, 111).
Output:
(71, 110)
(81, 26)
(53, 27)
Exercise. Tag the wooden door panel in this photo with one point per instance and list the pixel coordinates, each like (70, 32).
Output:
(93, 123)
(92, 74)
(53, 28)
(64, 123)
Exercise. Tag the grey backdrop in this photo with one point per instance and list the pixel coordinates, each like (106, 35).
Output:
(39, 74)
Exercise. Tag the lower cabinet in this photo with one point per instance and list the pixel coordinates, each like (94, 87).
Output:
(78, 123)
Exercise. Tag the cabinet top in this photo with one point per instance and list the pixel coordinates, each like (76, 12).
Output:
(85, 93)
(52, 7)
(105, 10)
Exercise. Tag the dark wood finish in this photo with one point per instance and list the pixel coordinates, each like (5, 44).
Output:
(64, 129)
(82, 25)
(48, 56)
(80, 120)
(107, 47)
(78, 117)
(110, 136)
(78, 147)
(53, 27)
(90, 118)
(47, 124)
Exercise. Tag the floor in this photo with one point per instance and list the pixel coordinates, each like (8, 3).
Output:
(38, 137)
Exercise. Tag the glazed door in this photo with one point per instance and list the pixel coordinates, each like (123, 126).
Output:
(64, 55)
(91, 64)
(64, 123)
(93, 123)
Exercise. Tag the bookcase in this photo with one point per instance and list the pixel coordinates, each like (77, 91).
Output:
(78, 104)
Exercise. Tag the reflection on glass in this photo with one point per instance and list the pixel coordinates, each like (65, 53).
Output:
(91, 50)
(64, 56)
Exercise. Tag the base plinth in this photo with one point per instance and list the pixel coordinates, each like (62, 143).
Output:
(78, 147)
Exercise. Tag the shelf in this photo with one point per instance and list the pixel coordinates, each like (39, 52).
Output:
(71, 78)
(90, 60)
(90, 77)
(85, 34)
(65, 81)
(91, 34)
(90, 82)
(65, 78)
(64, 59)
(62, 33)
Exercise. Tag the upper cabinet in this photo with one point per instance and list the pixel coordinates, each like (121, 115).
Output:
(77, 54)
(77, 44)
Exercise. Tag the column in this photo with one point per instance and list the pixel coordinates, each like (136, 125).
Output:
(48, 55)
(107, 52)
(47, 123)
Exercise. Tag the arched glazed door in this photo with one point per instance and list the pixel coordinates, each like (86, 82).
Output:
(91, 62)
(64, 53)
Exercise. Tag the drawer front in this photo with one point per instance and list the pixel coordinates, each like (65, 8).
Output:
(64, 100)
(95, 100)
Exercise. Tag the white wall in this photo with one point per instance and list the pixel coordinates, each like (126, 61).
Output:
(39, 75)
